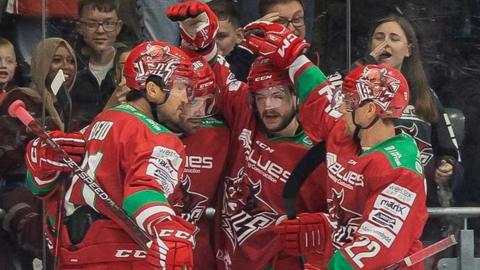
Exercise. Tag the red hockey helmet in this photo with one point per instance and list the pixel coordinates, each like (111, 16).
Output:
(157, 58)
(202, 102)
(383, 85)
(263, 75)
(266, 82)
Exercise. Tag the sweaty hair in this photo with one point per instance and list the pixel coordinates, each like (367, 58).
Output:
(420, 92)
(225, 11)
(265, 5)
(100, 5)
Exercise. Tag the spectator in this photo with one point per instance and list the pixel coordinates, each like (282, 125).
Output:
(289, 13)
(8, 64)
(47, 58)
(22, 220)
(394, 43)
(229, 35)
(98, 25)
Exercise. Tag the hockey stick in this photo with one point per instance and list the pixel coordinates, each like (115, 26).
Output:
(63, 96)
(304, 168)
(424, 253)
(17, 109)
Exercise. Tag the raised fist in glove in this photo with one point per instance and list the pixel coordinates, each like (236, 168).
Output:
(43, 161)
(306, 233)
(274, 41)
(172, 248)
(198, 23)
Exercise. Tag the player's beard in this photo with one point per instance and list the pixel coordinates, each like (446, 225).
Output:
(286, 119)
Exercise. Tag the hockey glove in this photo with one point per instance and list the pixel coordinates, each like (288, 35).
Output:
(43, 161)
(172, 248)
(198, 26)
(274, 41)
(306, 233)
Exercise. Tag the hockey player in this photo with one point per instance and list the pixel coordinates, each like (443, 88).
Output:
(266, 143)
(376, 189)
(206, 139)
(137, 161)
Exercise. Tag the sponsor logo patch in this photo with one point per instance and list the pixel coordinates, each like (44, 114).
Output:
(392, 206)
(385, 220)
(381, 234)
(400, 193)
(163, 165)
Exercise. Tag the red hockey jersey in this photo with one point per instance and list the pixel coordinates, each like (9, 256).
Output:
(138, 162)
(206, 158)
(376, 198)
(259, 166)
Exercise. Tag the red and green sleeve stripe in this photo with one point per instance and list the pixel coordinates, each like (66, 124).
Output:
(306, 77)
(147, 206)
(40, 187)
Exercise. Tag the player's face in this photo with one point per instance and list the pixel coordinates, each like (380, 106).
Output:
(397, 47)
(196, 110)
(227, 37)
(99, 29)
(275, 107)
(8, 63)
(293, 12)
(360, 115)
(62, 59)
(170, 112)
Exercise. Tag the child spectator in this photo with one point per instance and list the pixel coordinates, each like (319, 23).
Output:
(98, 26)
(8, 64)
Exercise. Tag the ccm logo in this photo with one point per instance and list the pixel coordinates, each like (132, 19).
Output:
(129, 253)
(286, 43)
(177, 234)
(263, 78)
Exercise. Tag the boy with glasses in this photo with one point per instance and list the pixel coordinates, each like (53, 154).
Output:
(98, 26)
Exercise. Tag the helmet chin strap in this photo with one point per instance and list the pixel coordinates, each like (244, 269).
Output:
(358, 127)
(153, 105)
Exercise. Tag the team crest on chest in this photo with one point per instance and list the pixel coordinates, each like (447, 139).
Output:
(243, 211)
(345, 220)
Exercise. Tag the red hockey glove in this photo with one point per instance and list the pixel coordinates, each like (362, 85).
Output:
(198, 24)
(308, 232)
(173, 247)
(42, 160)
(274, 41)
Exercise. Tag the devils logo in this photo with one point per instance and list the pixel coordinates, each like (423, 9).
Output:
(243, 211)
(345, 220)
(192, 205)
